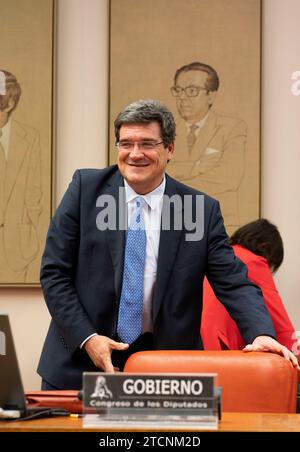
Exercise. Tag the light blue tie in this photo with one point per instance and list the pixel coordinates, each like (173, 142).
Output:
(131, 302)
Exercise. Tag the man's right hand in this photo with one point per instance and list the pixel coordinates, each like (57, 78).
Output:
(99, 348)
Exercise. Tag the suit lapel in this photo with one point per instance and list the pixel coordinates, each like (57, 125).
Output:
(205, 135)
(168, 246)
(116, 238)
(17, 150)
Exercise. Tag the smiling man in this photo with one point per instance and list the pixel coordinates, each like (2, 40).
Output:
(142, 170)
(112, 292)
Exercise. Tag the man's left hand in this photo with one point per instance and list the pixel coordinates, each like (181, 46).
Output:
(268, 344)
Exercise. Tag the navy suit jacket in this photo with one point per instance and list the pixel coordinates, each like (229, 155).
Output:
(81, 276)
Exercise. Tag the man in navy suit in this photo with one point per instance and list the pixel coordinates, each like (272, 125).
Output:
(83, 263)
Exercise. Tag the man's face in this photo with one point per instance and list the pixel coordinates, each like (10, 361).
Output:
(143, 169)
(193, 109)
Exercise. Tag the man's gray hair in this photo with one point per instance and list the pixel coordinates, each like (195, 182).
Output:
(144, 112)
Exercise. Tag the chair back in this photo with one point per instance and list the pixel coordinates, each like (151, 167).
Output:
(251, 382)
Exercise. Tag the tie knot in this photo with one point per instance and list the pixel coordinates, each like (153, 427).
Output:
(137, 222)
(139, 202)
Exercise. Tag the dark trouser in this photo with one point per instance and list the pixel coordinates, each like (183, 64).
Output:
(144, 342)
(47, 386)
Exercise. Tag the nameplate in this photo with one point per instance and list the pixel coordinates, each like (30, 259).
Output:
(155, 397)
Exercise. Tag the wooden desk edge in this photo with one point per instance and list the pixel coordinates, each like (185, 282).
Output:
(231, 422)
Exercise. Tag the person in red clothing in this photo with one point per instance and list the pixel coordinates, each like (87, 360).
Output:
(259, 245)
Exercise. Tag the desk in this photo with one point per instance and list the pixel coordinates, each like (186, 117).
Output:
(231, 422)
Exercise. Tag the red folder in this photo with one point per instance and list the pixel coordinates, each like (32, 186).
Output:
(55, 399)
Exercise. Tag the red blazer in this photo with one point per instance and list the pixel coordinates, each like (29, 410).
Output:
(218, 329)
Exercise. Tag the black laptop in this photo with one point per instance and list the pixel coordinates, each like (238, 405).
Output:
(12, 397)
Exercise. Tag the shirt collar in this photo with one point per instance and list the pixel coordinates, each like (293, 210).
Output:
(152, 199)
(200, 123)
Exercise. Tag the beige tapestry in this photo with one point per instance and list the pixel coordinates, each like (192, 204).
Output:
(26, 51)
(202, 59)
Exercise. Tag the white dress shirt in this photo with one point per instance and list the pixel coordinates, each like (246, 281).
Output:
(151, 211)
